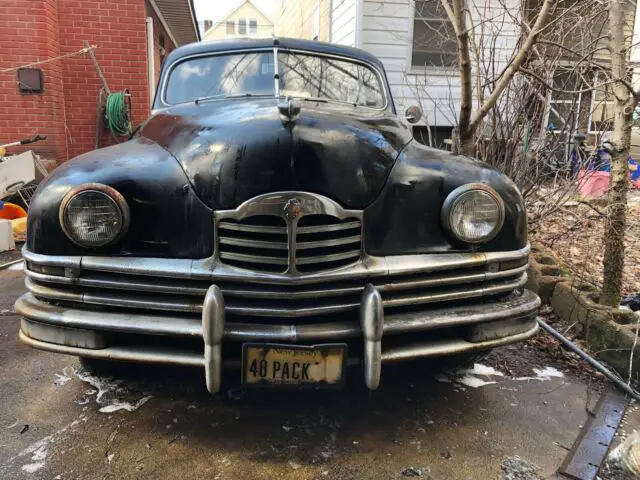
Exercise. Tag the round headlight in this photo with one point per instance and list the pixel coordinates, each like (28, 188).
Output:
(94, 215)
(473, 213)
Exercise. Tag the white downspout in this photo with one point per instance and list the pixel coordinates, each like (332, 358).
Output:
(151, 61)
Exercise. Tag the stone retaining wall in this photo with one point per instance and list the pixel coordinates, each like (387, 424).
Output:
(609, 333)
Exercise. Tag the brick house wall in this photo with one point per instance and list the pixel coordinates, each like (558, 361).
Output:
(118, 29)
(33, 36)
(67, 109)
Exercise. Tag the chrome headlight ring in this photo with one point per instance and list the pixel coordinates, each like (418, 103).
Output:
(83, 201)
(484, 211)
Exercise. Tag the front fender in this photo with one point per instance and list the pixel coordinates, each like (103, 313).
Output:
(405, 218)
(167, 218)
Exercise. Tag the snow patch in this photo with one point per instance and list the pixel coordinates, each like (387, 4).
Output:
(60, 380)
(118, 405)
(32, 467)
(40, 450)
(473, 382)
(482, 375)
(441, 377)
(109, 392)
(479, 369)
(548, 372)
(469, 377)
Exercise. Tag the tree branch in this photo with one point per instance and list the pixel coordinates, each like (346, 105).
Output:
(511, 70)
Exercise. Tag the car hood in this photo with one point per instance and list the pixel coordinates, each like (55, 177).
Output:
(233, 150)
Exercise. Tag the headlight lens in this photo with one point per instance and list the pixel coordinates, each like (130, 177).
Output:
(94, 216)
(473, 213)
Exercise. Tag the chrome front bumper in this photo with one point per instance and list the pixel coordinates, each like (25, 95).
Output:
(62, 314)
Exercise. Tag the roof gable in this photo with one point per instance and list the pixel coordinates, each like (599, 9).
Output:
(234, 9)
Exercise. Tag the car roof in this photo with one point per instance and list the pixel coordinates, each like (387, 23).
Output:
(214, 46)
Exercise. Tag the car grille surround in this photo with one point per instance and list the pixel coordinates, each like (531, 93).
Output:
(282, 255)
(290, 233)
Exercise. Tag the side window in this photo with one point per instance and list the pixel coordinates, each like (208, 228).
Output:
(253, 27)
(231, 28)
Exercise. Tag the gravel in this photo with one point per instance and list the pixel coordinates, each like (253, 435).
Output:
(515, 468)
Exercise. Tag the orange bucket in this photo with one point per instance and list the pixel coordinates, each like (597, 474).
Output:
(9, 211)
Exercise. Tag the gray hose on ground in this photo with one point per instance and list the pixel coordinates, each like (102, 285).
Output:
(590, 360)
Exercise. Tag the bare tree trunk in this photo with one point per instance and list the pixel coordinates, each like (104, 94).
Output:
(467, 126)
(617, 202)
(456, 13)
(514, 66)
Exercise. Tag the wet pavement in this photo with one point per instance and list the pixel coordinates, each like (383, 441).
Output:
(57, 422)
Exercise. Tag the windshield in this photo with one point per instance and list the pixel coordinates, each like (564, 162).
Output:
(301, 75)
(221, 75)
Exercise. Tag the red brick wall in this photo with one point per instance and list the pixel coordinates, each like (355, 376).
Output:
(66, 112)
(118, 29)
(29, 34)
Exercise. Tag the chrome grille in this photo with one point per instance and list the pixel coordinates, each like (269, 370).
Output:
(260, 297)
(324, 242)
(259, 243)
(288, 232)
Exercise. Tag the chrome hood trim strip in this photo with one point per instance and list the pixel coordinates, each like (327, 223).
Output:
(207, 269)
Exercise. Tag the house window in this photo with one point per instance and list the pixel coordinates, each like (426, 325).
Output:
(563, 105)
(231, 28)
(434, 41)
(242, 26)
(253, 27)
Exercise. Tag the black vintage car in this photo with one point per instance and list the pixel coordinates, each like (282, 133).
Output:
(275, 214)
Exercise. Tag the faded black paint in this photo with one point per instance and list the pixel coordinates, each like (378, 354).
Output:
(405, 218)
(188, 160)
(167, 220)
(236, 149)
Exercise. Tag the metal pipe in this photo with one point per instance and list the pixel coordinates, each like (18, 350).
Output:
(151, 60)
(590, 360)
(8, 264)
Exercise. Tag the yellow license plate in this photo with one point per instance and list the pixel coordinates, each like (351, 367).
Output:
(271, 364)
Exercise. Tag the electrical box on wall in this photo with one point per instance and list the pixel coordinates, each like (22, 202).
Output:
(30, 80)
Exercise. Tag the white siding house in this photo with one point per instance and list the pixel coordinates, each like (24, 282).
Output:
(344, 22)
(393, 29)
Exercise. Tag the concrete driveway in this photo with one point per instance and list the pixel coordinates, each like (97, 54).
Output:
(59, 423)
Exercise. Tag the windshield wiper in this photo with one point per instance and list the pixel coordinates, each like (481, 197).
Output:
(324, 100)
(223, 95)
(313, 99)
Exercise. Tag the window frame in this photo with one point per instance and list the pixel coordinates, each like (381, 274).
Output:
(444, 69)
(589, 96)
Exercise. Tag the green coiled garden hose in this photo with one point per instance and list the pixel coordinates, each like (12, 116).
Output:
(117, 113)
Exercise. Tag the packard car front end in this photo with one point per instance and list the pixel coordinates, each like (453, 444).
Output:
(285, 239)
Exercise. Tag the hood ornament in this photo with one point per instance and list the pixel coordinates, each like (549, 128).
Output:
(292, 209)
(289, 110)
